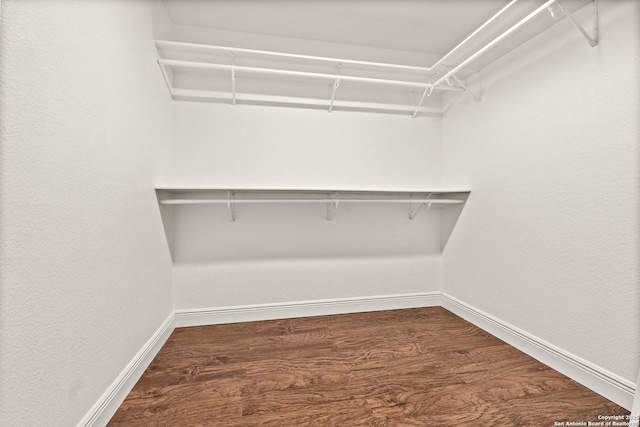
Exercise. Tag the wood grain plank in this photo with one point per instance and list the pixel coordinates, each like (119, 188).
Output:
(415, 367)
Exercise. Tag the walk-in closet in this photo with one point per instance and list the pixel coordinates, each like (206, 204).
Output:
(319, 212)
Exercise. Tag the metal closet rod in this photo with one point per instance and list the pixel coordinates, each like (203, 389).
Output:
(495, 41)
(169, 44)
(303, 102)
(257, 201)
(320, 76)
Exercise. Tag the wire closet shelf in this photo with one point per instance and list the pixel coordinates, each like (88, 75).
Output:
(446, 75)
(416, 200)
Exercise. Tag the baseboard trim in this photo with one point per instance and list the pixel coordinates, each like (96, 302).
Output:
(110, 401)
(603, 382)
(249, 313)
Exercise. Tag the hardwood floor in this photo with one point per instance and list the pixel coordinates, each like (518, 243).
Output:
(417, 367)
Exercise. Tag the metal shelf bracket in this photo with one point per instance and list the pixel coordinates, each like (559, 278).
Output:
(231, 206)
(331, 206)
(427, 92)
(233, 79)
(415, 211)
(412, 213)
(336, 85)
(460, 83)
(591, 39)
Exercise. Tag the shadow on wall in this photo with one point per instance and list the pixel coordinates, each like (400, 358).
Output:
(205, 233)
(448, 220)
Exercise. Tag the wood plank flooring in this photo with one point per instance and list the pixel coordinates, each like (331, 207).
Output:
(416, 367)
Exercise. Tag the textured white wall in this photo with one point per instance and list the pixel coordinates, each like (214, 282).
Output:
(84, 271)
(287, 253)
(278, 280)
(204, 233)
(549, 240)
(254, 146)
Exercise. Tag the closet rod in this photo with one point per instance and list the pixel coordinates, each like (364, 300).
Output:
(183, 45)
(172, 44)
(321, 76)
(232, 201)
(495, 41)
(304, 102)
(470, 36)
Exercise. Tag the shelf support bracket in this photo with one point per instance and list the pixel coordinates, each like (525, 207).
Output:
(233, 79)
(552, 12)
(331, 206)
(336, 85)
(427, 92)
(460, 83)
(167, 80)
(413, 213)
(231, 206)
(592, 40)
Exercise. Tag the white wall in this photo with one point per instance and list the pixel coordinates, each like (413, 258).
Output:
(84, 271)
(275, 281)
(274, 254)
(549, 239)
(276, 147)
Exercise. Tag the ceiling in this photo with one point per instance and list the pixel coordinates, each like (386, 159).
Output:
(425, 26)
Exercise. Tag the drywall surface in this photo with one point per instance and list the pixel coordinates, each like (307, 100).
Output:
(85, 276)
(204, 233)
(242, 146)
(279, 253)
(549, 239)
(246, 282)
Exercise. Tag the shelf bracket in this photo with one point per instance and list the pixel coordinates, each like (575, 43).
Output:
(233, 79)
(592, 40)
(460, 83)
(231, 206)
(336, 85)
(167, 80)
(413, 213)
(427, 92)
(331, 206)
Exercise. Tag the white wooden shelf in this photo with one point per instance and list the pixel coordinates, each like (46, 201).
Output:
(416, 200)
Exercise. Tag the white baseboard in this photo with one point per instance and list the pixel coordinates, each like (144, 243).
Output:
(635, 411)
(603, 382)
(249, 313)
(108, 404)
